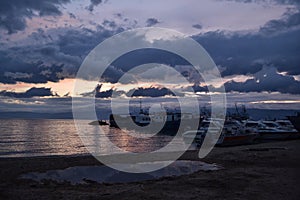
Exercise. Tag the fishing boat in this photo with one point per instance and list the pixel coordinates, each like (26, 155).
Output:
(198, 136)
(99, 122)
(233, 133)
(285, 123)
(171, 120)
(268, 130)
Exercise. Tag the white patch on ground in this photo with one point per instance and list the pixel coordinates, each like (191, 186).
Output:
(104, 174)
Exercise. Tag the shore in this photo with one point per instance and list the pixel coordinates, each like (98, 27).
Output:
(260, 171)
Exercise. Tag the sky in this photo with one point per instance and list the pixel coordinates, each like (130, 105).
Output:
(254, 43)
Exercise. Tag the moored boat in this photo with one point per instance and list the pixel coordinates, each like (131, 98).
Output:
(233, 140)
(284, 126)
(285, 123)
(169, 121)
(233, 133)
(269, 133)
(99, 122)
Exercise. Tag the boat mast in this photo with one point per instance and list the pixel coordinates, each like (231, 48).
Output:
(236, 108)
(141, 111)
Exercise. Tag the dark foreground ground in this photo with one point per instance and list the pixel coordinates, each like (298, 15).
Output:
(261, 171)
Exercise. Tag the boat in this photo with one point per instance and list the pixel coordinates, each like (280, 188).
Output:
(284, 126)
(295, 120)
(267, 131)
(171, 120)
(232, 134)
(197, 136)
(285, 123)
(235, 133)
(99, 122)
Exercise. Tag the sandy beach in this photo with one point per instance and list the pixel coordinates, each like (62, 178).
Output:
(260, 171)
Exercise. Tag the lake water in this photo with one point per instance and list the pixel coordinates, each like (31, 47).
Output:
(40, 137)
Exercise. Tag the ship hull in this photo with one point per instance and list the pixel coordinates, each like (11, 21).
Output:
(228, 140)
(169, 128)
(238, 140)
(278, 135)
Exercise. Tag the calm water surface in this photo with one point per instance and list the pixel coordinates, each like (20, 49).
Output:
(27, 137)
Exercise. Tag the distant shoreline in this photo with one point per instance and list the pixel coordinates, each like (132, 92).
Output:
(68, 115)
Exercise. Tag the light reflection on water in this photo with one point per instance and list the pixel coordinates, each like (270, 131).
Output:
(22, 137)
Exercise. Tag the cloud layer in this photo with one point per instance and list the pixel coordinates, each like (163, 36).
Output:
(56, 53)
(32, 92)
(266, 80)
(14, 13)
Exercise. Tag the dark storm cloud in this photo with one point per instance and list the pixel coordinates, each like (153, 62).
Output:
(80, 41)
(289, 20)
(77, 43)
(95, 3)
(112, 74)
(13, 69)
(72, 15)
(32, 92)
(246, 54)
(152, 22)
(13, 13)
(198, 88)
(102, 94)
(139, 57)
(197, 26)
(151, 92)
(109, 23)
(139, 92)
(60, 55)
(267, 80)
(63, 49)
(149, 55)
